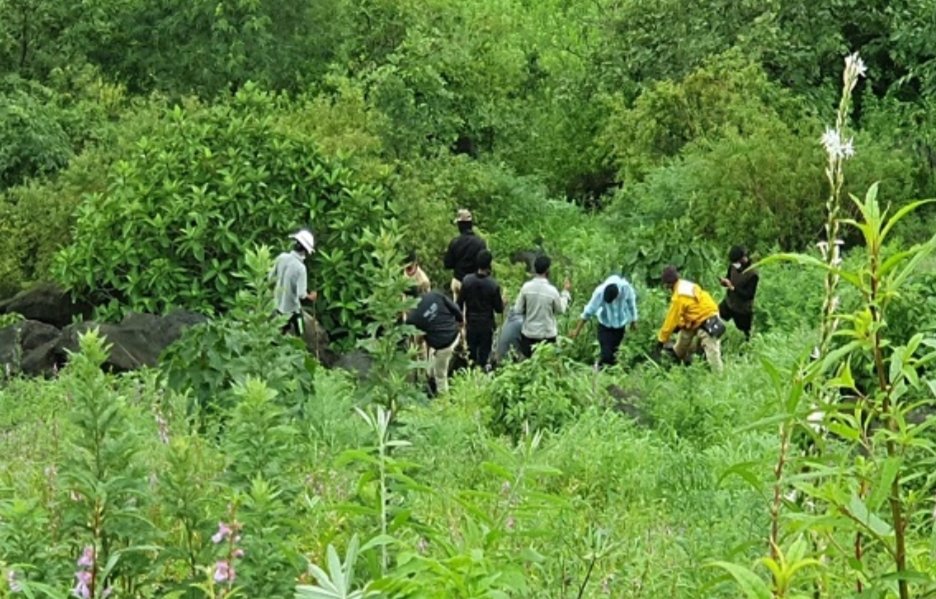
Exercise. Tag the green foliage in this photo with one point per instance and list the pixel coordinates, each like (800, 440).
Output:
(211, 358)
(234, 180)
(103, 480)
(536, 394)
(33, 140)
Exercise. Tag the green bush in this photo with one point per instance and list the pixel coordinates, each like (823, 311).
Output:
(199, 187)
(33, 141)
(210, 360)
(542, 393)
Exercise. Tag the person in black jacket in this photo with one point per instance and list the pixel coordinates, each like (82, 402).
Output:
(480, 298)
(741, 283)
(462, 253)
(441, 322)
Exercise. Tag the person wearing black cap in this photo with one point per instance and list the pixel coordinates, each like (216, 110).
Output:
(462, 254)
(741, 284)
(479, 299)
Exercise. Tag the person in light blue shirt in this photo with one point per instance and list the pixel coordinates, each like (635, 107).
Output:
(614, 303)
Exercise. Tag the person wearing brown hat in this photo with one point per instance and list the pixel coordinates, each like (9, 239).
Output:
(461, 257)
(695, 313)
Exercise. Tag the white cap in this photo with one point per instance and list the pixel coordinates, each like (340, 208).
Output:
(305, 238)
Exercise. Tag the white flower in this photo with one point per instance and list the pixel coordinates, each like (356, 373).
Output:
(847, 149)
(832, 141)
(855, 66)
(834, 146)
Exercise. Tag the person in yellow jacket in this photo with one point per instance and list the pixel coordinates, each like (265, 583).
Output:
(695, 313)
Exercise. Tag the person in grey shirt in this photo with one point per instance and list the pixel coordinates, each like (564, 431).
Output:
(509, 339)
(292, 281)
(539, 302)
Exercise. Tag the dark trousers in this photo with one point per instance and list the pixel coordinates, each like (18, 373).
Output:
(527, 344)
(294, 325)
(609, 340)
(742, 321)
(480, 340)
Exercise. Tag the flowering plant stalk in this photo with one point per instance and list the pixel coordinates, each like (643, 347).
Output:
(838, 150)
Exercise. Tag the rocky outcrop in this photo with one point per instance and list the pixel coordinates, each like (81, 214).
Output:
(29, 347)
(35, 348)
(136, 341)
(46, 303)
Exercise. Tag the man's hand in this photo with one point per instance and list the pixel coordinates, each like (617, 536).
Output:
(726, 283)
(578, 329)
(633, 326)
(567, 284)
(313, 295)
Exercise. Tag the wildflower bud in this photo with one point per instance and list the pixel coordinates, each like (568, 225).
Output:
(224, 531)
(224, 572)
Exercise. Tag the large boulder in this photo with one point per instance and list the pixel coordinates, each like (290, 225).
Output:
(46, 303)
(357, 361)
(137, 341)
(28, 347)
(317, 340)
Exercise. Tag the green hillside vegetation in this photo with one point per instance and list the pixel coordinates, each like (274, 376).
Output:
(156, 156)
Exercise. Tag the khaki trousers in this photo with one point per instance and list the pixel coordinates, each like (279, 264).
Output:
(456, 289)
(439, 360)
(688, 342)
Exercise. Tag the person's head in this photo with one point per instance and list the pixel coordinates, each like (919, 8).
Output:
(410, 263)
(484, 260)
(611, 293)
(670, 276)
(541, 265)
(464, 220)
(738, 255)
(305, 242)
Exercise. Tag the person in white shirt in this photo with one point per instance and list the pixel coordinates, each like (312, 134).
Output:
(539, 303)
(292, 281)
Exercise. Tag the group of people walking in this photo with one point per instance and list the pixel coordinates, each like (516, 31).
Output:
(469, 315)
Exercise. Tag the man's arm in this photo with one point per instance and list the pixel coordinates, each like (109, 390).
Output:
(561, 304)
(632, 302)
(748, 286)
(449, 261)
(594, 304)
(456, 312)
(670, 322)
(498, 300)
(460, 300)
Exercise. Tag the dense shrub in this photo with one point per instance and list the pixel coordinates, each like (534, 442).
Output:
(543, 392)
(200, 186)
(33, 141)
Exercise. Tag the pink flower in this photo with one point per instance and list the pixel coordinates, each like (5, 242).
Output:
(224, 531)
(87, 557)
(82, 585)
(224, 572)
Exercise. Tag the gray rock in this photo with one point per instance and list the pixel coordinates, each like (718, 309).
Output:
(46, 303)
(137, 341)
(356, 361)
(317, 341)
(28, 347)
